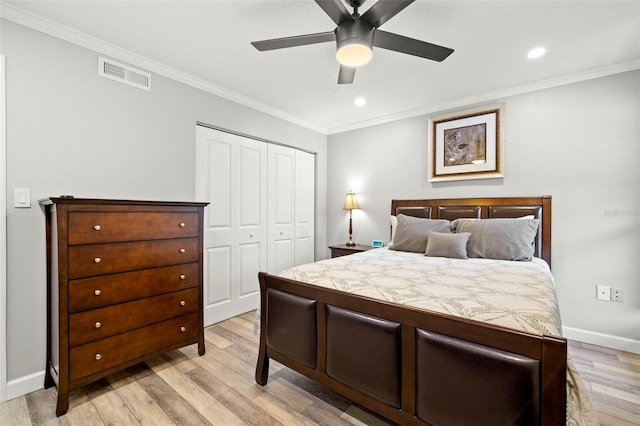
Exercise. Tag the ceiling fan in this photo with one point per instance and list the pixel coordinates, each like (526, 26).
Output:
(356, 35)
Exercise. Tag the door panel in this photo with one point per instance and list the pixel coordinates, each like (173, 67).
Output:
(219, 273)
(281, 208)
(251, 220)
(232, 177)
(304, 207)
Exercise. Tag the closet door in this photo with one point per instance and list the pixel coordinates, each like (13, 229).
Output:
(304, 214)
(281, 208)
(232, 176)
(291, 208)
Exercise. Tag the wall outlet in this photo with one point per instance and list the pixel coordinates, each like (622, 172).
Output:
(603, 292)
(617, 294)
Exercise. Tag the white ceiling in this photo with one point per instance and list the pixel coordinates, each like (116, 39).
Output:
(209, 40)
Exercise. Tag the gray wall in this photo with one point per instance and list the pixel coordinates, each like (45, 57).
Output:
(72, 132)
(579, 143)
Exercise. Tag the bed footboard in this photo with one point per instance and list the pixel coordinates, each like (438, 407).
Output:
(411, 366)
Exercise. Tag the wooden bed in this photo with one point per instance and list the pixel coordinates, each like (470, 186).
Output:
(489, 374)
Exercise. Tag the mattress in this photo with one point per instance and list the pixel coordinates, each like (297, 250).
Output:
(517, 295)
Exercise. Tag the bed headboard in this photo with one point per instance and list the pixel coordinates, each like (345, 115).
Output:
(485, 208)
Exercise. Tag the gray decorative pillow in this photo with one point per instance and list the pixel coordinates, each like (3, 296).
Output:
(502, 239)
(412, 232)
(448, 245)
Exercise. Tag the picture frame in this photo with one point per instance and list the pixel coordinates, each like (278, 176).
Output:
(467, 145)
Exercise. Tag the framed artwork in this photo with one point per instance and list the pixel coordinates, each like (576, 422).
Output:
(467, 145)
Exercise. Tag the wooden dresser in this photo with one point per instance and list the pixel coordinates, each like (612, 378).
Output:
(124, 283)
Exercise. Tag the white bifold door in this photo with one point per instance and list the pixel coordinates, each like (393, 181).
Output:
(260, 216)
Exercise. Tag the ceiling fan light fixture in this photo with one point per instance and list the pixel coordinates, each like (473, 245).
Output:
(354, 42)
(353, 53)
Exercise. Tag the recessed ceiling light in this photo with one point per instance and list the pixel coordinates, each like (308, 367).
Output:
(360, 101)
(536, 52)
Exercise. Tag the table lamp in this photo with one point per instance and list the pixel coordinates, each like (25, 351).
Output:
(350, 203)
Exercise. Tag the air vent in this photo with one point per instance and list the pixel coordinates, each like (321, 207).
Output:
(123, 73)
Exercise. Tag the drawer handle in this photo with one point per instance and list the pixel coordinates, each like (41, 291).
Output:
(97, 260)
(183, 276)
(182, 303)
(181, 224)
(250, 235)
(182, 250)
(98, 324)
(98, 357)
(96, 227)
(183, 329)
(97, 292)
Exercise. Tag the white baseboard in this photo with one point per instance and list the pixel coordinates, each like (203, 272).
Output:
(25, 385)
(600, 339)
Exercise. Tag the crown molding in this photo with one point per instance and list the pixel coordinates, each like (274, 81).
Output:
(493, 96)
(38, 23)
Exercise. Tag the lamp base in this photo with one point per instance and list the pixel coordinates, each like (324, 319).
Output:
(350, 243)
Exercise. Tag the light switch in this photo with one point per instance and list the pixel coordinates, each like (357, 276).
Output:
(22, 198)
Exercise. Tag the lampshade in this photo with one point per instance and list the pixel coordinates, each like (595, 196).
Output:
(350, 202)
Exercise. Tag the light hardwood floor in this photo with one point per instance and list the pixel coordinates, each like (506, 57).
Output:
(218, 388)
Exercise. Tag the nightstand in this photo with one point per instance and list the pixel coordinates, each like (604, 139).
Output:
(343, 249)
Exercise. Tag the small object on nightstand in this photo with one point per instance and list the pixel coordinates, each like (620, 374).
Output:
(377, 243)
(344, 249)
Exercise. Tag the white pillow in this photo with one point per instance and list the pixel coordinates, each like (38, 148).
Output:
(394, 225)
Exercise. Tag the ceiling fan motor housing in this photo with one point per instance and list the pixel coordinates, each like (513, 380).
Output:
(354, 40)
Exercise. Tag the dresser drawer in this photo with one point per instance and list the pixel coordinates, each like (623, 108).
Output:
(107, 227)
(106, 353)
(100, 259)
(97, 292)
(99, 323)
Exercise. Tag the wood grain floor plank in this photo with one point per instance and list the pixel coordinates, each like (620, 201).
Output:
(591, 374)
(42, 406)
(312, 388)
(110, 407)
(216, 339)
(281, 412)
(239, 326)
(143, 407)
(15, 412)
(358, 416)
(616, 393)
(326, 415)
(290, 396)
(614, 412)
(245, 386)
(81, 410)
(237, 403)
(207, 406)
(174, 405)
(616, 370)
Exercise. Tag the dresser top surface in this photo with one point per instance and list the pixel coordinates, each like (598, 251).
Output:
(104, 201)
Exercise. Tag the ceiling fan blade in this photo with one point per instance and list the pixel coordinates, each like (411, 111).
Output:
(384, 10)
(410, 46)
(336, 10)
(301, 40)
(346, 75)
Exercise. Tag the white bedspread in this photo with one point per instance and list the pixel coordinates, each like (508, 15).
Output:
(518, 295)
